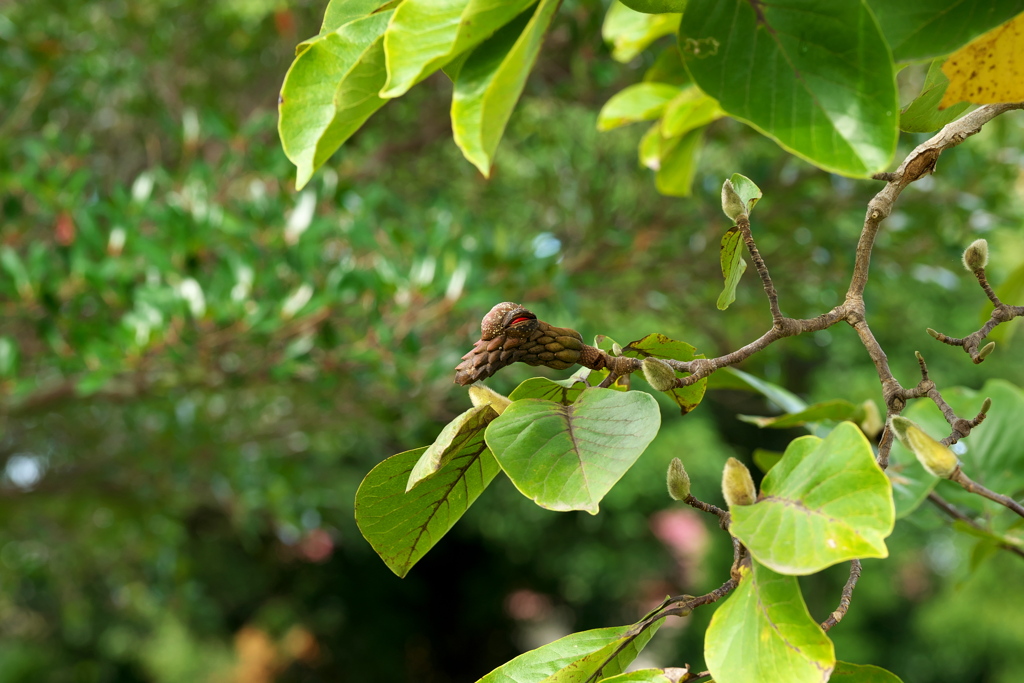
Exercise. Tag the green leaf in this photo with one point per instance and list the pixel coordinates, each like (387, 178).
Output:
(836, 410)
(678, 164)
(569, 457)
(921, 29)
(731, 378)
(547, 661)
(655, 6)
(648, 676)
(564, 391)
(763, 632)
(659, 346)
(733, 265)
(688, 110)
(341, 12)
(8, 356)
(608, 661)
(489, 84)
(749, 193)
(862, 673)
(629, 32)
(424, 35)
(825, 502)
(330, 91)
(817, 78)
(462, 435)
(402, 526)
(638, 102)
(923, 114)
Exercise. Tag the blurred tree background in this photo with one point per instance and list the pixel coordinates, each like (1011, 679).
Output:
(198, 365)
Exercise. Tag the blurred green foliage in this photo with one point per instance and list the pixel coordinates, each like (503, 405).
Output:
(198, 365)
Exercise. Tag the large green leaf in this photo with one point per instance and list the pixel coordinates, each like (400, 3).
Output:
(919, 29)
(490, 81)
(462, 435)
(330, 90)
(569, 457)
(659, 346)
(862, 673)
(763, 632)
(923, 114)
(402, 526)
(424, 35)
(548, 662)
(733, 266)
(825, 502)
(637, 102)
(629, 31)
(818, 78)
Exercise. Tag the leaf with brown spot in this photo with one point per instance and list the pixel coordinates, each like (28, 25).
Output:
(989, 69)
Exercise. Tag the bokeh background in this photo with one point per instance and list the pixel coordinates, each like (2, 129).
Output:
(199, 364)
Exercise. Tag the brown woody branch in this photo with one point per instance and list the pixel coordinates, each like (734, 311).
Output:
(845, 597)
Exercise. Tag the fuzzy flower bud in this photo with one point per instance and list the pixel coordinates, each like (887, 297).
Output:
(737, 484)
(485, 396)
(976, 255)
(872, 423)
(985, 350)
(659, 374)
(732, 203)
(678, 480)
(932, 455)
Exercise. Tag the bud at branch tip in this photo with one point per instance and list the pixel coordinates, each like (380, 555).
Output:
(976, 255)
(678, 480)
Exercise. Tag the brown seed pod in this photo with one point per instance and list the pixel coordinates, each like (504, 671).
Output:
(510, 333)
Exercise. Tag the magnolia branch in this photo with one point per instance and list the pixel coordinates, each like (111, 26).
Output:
(845, 597)
(948, 509)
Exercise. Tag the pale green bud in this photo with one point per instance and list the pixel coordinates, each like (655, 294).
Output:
(932, 455)
(737, 484)
(678, 480)
(976, 255)
(986, 350)
(659, 374)
(732, 203)
(872, 423)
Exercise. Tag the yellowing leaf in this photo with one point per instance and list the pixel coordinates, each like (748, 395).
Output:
(989, 69)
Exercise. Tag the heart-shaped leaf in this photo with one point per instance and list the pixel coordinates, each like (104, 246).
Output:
(825, 502)
(402, 526)
(764, 632)
(569, 457)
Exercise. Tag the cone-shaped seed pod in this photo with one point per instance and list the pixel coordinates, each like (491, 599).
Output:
(511, 334)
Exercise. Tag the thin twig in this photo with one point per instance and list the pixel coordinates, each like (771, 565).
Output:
(845, 597)
(946, 507)
(972, 486)
(743, 223)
